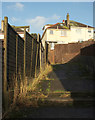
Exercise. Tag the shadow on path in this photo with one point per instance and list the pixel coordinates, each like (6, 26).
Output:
(74, 77)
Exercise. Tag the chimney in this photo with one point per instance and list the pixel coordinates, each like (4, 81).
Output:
(2, 25)
(67, 19)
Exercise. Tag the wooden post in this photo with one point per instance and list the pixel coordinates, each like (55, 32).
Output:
(24, 59)
(5, 61)
(36, 56)
(24, 50)
(31, 58)
(16, 53)
(16, 85)
(36, 64)
(40, 58)
(2, 25)
(45, 54)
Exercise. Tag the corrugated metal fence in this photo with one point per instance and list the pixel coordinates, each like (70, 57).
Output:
(23, 60)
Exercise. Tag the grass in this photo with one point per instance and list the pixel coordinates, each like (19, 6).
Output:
(58, 91)
(48, 89)
(24, 100)
(40, 77)
(32, 98)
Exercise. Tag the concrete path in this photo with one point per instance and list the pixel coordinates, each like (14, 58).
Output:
(61, 112)
(72, 78)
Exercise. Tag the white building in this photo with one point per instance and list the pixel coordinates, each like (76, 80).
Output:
(67, 32)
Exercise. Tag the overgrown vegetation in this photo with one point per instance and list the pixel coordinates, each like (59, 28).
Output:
(37, 80)
(27, 96)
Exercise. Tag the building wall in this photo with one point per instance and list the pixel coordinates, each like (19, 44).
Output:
(64, 53)
(44, 39)
(81, 34)
(75, 34)
(1, 36)
(57, 37)
(94, 35)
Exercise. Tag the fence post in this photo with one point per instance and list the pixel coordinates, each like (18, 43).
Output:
(25, 79)
(5, 61)
(16, 85)
(24, 51)
(45, 54)
(40, 58)
(31, 58)
(36, 55)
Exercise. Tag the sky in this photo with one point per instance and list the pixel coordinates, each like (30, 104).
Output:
(37, 14)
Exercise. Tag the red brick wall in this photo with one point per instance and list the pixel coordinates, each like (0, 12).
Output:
(63, 53)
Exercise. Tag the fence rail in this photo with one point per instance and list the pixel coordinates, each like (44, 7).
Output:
(24, 58)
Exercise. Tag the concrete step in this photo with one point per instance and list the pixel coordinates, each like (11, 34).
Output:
(68, 99)
(83, 94)
(65, 98)
(56, 101)
(72, 94)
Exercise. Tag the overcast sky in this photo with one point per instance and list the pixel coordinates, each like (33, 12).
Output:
(37, 14)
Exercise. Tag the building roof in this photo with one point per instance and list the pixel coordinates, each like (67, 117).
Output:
(59, 26)
(77, 24)
(63, 25)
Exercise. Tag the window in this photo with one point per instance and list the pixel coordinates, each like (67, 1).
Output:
(51, 31)
(89, 31)
(63, 33)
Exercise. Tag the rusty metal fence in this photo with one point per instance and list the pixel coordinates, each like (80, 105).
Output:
(23, 60)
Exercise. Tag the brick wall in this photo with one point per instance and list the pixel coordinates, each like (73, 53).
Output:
(63, 53)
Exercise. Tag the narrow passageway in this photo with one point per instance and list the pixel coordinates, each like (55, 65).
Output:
(65, 92)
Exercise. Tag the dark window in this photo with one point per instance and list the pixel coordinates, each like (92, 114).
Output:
(89, 31)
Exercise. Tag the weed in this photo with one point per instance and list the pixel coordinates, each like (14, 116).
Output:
(40, 90)
(48, 89)
(42, 99)
(58, 91)
(49, 84)
(40, 77)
